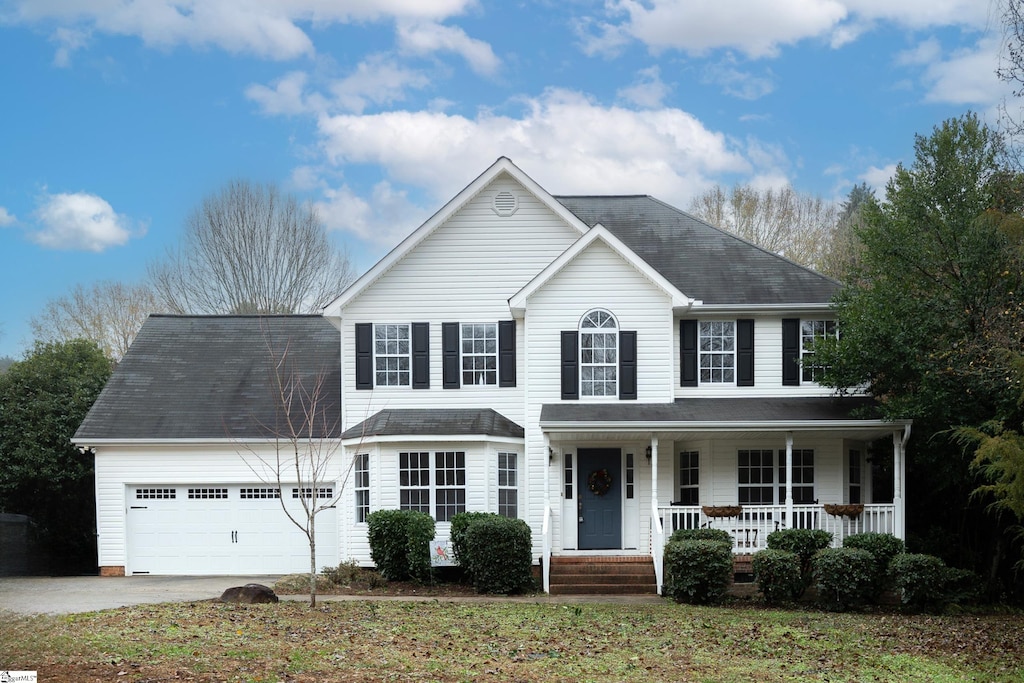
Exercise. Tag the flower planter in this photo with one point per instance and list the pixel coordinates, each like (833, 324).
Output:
(722, 510)
(852, 511)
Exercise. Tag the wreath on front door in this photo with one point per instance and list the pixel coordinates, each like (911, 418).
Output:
(599, 482)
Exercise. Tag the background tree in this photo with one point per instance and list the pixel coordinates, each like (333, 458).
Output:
(782, 221)
(109, 313)
(931, 324)
(841, 256)
(43, 399)
(250, 249)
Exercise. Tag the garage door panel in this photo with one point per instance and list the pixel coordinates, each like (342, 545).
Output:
(240, 529)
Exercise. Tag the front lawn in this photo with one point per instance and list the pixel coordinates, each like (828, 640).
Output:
(507, 641)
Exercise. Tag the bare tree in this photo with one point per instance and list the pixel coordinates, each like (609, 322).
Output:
(783, 221)
(109, 313)
(250, 249)
(1011, 71)
(305, 432)
(842, 255)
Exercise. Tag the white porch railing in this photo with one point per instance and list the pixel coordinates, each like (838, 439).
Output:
(750, 528)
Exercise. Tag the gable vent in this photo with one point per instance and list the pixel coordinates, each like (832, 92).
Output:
(505, 203)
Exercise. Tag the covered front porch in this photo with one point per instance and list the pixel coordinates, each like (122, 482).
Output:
(745, 466)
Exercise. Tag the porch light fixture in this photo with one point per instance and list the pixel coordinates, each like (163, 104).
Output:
(551, 454)
(648, 453)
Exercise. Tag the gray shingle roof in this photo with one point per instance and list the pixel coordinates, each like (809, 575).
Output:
(195, 377)
(435, 422)
(704, 410)
(702, 261)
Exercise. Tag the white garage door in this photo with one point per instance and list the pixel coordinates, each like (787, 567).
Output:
(224, 529)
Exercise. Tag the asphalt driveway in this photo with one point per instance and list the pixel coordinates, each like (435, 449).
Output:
(66, 595)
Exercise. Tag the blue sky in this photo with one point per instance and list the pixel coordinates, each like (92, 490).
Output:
(117, 118)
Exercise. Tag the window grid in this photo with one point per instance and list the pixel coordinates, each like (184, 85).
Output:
(450, 476)
(756, 472)
(810, 332)
(156, 494)
(362, 486)
(689, 477)
(508, 490)
(414, 481)
(717, 352)
(204, 494)
(307, 492)
(803, 476)
(392, 353)
(599, 342)
(568, 476)
(479, 354)
(630, 475)
(855, 476)
(259, 493)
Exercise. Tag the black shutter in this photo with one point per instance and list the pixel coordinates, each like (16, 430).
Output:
(790, 352)
(506, 353)
(688, 353)
(421, 355)
(627, 365)
(450, 342)
(570, 366)
(745, 353)
(364, 356)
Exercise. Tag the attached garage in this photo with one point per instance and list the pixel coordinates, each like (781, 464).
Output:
(223, 529)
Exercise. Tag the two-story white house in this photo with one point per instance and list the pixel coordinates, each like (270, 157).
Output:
(607, 368)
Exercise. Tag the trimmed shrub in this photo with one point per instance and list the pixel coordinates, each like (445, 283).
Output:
(883, 547)
(963, 586)
(460, 522)
(777, 573)
(499, 551)
(697, 571)
(704, 534)
(400, 544)
(804, 542)
(920, 580)
(842, 577)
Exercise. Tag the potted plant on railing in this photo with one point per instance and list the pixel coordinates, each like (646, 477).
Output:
(721, 510)
(850, 510)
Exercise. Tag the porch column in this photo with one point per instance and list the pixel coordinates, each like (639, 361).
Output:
(654, 470)
(789, 480)
(898, 443)
(545, 554)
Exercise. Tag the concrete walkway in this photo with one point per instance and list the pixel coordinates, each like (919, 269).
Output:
(69, 595)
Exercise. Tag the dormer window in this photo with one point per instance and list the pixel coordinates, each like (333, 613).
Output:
(599, 358)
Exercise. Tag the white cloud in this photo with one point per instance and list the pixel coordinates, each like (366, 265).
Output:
(69, 40)
(570, 143)
(286, 97)
(266, 28)
(967, 77)
(377, 80)
(6, 218)
(878, 178)
(741, 84)
(430, 37)
(79, 221)
(926, 52)
(385, 218)
(760, 29)
(648, 90)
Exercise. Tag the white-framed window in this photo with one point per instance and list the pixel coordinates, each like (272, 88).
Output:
(599, 358)
(203, 494)
(508, 484)
(855, 476)
(261, 493)
(448, 491)
(414, 481)
(630, 476)
(689, 477)
(322, 492)
(803, 476)
(156, 494)
(810, 332)
(717, 346)
(756, 476)
(392, 355)
(361, 470)
(479, 354)
(567, 476)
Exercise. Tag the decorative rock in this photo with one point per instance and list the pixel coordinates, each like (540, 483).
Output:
(249, 594)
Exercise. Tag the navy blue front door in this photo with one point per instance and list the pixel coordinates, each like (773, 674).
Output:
(600, 511)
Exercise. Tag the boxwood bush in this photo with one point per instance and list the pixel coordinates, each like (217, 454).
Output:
(921, 580)
(842, 577)
(883, 547)
(804, 542)
(704, 534)
(697, 571)
(777, 573)
(499, 554)
(460, 522)
(400, 544)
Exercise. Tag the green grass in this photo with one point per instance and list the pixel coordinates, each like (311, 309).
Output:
(461, 641)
